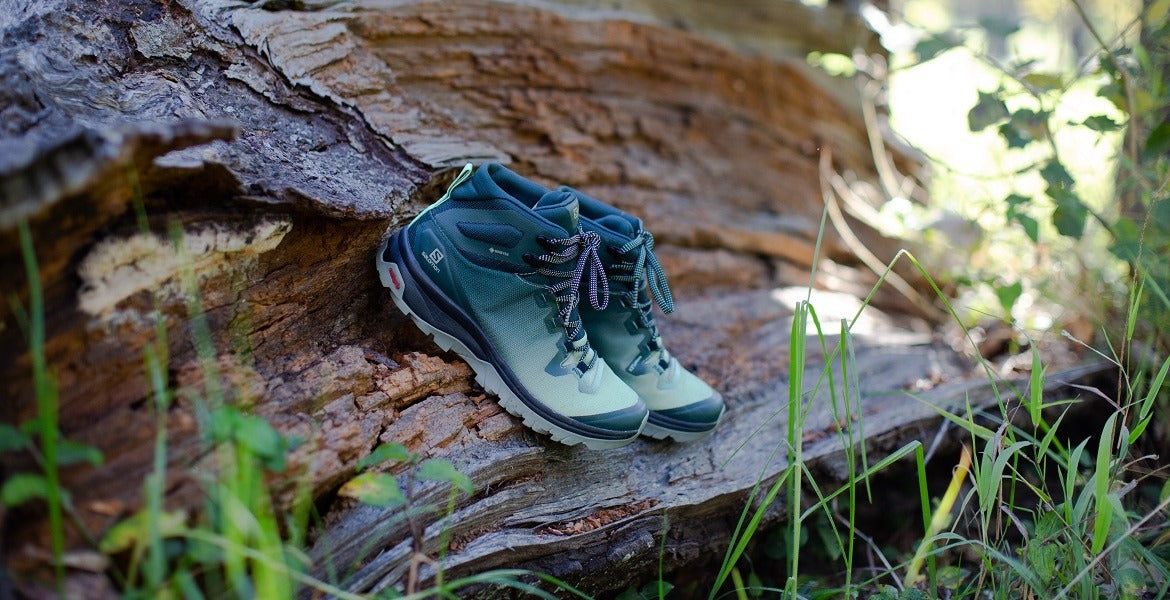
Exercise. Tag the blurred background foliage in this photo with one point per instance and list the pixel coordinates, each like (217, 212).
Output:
(1045, 126)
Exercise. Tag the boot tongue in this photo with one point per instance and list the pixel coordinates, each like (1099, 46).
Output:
(561, 208)
(617, 224)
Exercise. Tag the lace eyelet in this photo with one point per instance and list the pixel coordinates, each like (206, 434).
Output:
(528, 258)
(544, 241)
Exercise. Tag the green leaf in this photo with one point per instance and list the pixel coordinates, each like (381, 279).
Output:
(252, 434)
(1071, 471)
(1158, 142)
(375, 489)
(1131, 581)
(1031, 227)
(1042, 560)
(136, 528)
(1145, 413)
(1055, 174)
(1015, 200)
(1008, 294)
(12, 439)
(988, 111)
(1101, 123)
(630, 593)
(440, 470)
(935, 44)
(650, 590)
(71, 453)
(1024, 127)
(1070, 214)
(1102, 478)
(1013, 137)
(1160, 212)
(1044, 82)
(384, 452)
(1048, 526)
(913, 594)
(999, 26)
(1069, 219)
(1127, 239)
(22, 487)
(1112, 92)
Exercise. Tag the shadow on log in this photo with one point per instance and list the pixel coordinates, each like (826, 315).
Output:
(286, 137)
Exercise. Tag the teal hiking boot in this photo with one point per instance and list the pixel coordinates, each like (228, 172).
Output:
(494, 271)
(682, 406)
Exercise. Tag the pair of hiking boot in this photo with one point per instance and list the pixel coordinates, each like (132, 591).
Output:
(497, 270)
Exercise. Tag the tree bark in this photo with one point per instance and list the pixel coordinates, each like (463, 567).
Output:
(284, 138)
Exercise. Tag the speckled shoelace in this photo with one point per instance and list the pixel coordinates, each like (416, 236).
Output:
(635, 258)
(588, 270)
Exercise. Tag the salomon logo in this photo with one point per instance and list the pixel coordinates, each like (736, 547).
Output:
(433, 257)
(494, 251)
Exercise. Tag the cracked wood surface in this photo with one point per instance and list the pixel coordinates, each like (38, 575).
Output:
(286, 140)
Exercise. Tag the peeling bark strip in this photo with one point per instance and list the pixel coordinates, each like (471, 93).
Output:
(600, 518)
(286, 140)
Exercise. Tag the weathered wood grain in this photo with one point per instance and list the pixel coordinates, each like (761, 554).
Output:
(284, 138)
(597, 519)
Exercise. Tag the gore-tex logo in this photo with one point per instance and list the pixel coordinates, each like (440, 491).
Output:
(433, 257)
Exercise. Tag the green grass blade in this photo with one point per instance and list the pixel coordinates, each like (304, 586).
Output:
(796, 415)
(1145, 412)
(46, 400)
(895, 456)
(989, 482)
(967, 424)
(1102, 478)
(1036, 387)
(735, 551)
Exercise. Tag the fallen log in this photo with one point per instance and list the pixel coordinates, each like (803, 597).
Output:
(284, 138)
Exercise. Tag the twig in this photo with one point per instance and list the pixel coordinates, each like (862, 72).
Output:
(873, 547)
(858, 247)
(1126, 80)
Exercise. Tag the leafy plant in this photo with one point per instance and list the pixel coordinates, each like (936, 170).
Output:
(49, 450)
(382, 490)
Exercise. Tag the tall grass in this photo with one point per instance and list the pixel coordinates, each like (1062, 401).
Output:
(45, 390)
(1066, 498)
(1046, 515)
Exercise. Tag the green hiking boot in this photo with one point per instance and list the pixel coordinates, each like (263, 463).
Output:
(682, 406)
(494, 271)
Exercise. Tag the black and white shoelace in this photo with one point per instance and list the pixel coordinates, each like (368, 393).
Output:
(636, 257)
(587, 271)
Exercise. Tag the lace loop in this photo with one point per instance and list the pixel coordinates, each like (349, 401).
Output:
(648, 263)
(632, 271)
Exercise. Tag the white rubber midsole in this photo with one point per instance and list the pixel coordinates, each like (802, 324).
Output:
(660, 433)
(485, 373)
